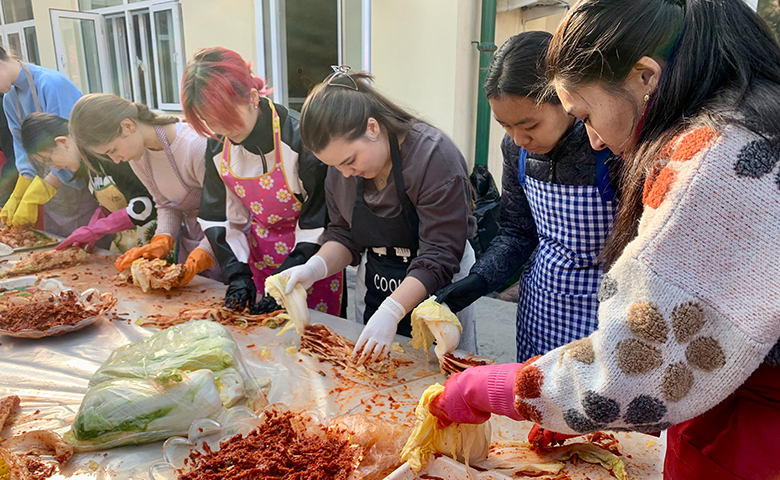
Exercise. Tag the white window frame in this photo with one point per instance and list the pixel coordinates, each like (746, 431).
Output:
(178, 58)
(100, 32)
(7, 29)
(145, 61)
(152, 89)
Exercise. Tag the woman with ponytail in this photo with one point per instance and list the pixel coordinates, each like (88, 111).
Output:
(263, 206)
(399, 205)
(167, 156)
(688, 92)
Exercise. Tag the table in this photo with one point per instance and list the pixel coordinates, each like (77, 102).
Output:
(51, 376)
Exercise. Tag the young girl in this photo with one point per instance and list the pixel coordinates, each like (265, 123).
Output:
(398, 196)
(264, 199)
(125, 204)
(167, 156)
(689, 94)
(67, 202)
(556, 195)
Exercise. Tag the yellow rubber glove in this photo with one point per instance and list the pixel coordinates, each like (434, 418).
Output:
(39, 192)
(197, 261)
(157, 248)
(9, 209)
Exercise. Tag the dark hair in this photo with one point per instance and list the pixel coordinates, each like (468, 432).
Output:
(4, 55)
(39, 131)
(519, 68)
(722, 66)
(340, 108)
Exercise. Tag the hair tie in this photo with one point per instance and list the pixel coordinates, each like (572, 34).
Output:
(341, 71)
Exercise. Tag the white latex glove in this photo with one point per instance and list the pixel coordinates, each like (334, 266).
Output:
(314, 270)
(379, 332)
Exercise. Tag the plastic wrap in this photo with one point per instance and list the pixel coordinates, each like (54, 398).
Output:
(154, 389)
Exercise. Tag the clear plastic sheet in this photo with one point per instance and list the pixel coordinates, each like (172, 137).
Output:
(51, 376)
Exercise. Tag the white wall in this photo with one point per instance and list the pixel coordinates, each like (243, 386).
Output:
(423, 58)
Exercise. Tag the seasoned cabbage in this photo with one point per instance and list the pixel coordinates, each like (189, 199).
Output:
(434, 321)
(295, 302)
(460, 441)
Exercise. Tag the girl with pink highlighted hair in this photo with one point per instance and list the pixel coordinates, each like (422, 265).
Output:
(263, 207)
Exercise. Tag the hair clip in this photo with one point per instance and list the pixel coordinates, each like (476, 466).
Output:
(340, 71)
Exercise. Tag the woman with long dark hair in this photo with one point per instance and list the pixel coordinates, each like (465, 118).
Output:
(399, 205)
(689, 93)
(126, 209)
(556, 195)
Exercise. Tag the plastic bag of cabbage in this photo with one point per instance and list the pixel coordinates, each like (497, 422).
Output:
(154, 389)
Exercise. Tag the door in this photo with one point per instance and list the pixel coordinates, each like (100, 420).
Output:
(169, 53)
(80, 47)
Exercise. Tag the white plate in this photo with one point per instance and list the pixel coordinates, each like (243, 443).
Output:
(55, 287)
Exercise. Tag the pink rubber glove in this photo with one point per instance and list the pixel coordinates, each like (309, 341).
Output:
(471, 396)
(98, 227)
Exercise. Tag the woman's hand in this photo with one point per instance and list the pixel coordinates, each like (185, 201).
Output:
(473, 395)
(376, 338)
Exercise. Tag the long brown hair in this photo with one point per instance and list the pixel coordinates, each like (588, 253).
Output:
(722, 65)
(96, 118)
(340, 108)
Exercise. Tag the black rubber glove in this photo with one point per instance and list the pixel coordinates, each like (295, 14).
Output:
(267, 304)
(240, 292)
(459, 295)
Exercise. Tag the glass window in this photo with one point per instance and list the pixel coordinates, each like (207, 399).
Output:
(15, 45)
(32, 45)
(17, 11)
(143, 62)
(119, 57)
(83, 65)
(312, 45)
(166, 55)
(85, 5)
(769, 10)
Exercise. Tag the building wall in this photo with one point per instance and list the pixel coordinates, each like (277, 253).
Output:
(422, 57)
(43, 28)
(225, 23)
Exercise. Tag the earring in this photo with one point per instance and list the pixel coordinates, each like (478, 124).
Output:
(647, 97)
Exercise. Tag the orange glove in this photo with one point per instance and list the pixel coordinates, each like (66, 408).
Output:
(157, 248)
(197, 261)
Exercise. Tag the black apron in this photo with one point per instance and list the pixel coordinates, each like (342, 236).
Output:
(396, 237)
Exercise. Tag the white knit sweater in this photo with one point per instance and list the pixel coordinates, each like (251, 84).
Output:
(689, 310)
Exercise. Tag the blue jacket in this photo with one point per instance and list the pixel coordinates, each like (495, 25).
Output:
(56, 95)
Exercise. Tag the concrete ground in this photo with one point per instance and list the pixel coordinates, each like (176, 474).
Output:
(495, 322)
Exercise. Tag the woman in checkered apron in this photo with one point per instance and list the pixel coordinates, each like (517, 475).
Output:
(556, 198)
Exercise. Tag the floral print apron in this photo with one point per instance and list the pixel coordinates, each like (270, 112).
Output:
(274, 213)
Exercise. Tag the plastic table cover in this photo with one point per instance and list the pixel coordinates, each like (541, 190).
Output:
(50, 375)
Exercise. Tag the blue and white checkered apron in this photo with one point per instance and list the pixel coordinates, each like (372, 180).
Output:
(558, 295)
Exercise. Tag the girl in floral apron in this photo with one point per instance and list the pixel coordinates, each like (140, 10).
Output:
(167, 156)
(126, 210)
(264, 208)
